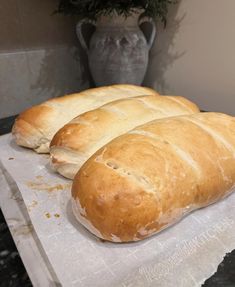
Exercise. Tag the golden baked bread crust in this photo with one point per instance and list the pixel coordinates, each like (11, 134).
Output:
(44, 120)
(150, 177)
(83, 136)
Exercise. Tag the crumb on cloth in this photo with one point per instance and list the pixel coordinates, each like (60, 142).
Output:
(48, 215)
(42, 186)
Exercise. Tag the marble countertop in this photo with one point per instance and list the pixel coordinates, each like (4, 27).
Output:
(12, 270)
(13, 273)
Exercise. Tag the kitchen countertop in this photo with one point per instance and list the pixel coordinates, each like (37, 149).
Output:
(13, 273)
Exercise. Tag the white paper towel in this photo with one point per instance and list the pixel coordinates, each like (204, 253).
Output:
(184, 255)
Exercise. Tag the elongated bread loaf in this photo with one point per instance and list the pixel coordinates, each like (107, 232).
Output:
(83, 136)
(35, 127)
(150, 177)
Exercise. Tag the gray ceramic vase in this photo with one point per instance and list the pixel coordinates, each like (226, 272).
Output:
(118, 50)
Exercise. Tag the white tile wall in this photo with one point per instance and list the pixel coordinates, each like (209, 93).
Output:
(14, 83)
(54, 72)
(28, 78)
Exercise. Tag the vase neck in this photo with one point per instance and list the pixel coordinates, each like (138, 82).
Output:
(118, 21)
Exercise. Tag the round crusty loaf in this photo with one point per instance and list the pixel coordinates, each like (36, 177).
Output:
(150, 177)
(83, 136)
(35, 127)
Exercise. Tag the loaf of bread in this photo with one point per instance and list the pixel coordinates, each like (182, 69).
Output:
(83, 136)
(35, 127)
(150, 177)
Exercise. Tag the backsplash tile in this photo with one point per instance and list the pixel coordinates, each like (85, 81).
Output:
(14, 83)
(29, 78)
(55, 72)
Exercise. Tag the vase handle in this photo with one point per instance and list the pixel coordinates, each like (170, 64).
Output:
(84, 42)
(150, 39)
